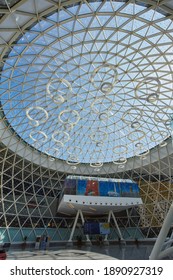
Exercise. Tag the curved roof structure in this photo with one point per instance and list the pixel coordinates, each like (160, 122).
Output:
(86, 88)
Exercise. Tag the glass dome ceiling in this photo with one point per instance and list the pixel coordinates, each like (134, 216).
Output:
(92, 83)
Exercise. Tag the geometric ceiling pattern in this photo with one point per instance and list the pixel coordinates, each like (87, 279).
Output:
(86, 85)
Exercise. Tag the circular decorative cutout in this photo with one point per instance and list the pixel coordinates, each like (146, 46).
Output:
(99, 144)
(60, 137)
(72, 160)
(80, 61)
(106, 87)
(121, 166)
(73, 167)
(138, 145)
(160, 116)
(96, 164)
(120, 161)
(96, 169)
(135, 125)
(140, 153)
(120, 149)
(57, 90)
(69, 117)
(41, 139)
(148, 89)
(152, 97)
(143, 157)
(98, 136)
(59, 99)
(74, 150)
(168, 123)
(137, 134)
(132, 115)
(68, 126)
(104, 77)
(103, 116)
(163, 144)
(40, 113)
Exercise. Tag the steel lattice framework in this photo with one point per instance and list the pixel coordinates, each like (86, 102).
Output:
(86, 89)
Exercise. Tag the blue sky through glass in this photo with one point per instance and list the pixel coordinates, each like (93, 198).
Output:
(102, 75)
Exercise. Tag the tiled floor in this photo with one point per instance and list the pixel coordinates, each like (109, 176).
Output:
(122, 252)
(64, 254)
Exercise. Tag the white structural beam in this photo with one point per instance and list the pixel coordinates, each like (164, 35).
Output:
(79, 213)
(116, 224)
(155, 254)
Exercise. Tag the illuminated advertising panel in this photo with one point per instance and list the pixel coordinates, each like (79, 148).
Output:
(101, 187)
